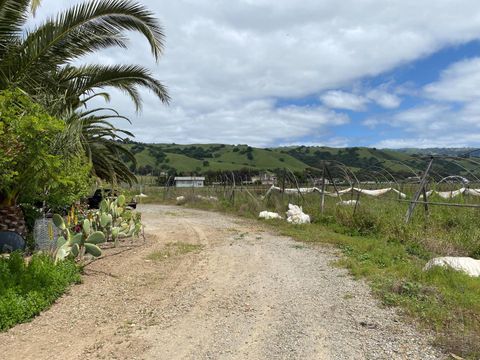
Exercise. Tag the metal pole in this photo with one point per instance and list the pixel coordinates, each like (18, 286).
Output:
(420, 189)
(322, 203)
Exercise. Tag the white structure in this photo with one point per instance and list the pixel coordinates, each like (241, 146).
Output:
(265, 178)
(189, 181)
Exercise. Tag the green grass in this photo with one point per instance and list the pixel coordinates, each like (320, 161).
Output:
(173, 250)
(379, 247)
(27, 288)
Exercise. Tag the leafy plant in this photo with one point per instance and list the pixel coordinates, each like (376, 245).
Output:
(115, 220)
(27, 288)
(76, 245)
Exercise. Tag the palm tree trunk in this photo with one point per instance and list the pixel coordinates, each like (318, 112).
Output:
(12, 219)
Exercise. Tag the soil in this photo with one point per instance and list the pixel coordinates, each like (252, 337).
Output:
(244, 293)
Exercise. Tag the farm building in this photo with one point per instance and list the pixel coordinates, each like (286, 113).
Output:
(189, 181)
(265, 178)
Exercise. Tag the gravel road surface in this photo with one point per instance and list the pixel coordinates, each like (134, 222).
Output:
(242, 293)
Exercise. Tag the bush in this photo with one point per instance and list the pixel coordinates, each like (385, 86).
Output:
(27, 288)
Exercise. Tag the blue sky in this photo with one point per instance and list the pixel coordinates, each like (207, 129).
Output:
(415, 75)
(269, 73)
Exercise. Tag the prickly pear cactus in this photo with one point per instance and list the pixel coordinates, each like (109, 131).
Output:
(86, 241)
(115, 220)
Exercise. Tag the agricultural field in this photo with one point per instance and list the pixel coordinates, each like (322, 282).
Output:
(379, 246)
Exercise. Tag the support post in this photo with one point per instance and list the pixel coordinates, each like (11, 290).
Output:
(420, 189)
(425, 204)
(322, 201)
(333, 183)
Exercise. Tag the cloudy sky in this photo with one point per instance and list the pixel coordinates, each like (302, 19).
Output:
(383, 73)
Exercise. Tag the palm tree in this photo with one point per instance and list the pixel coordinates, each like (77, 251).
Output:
(39, 62)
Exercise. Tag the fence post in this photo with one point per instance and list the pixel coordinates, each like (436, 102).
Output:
(333, 183)
(421, 189)
(322, 202)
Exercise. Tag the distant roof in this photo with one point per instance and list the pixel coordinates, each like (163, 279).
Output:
(187, 178)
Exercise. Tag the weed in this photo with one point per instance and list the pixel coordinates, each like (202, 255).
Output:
(174, 249)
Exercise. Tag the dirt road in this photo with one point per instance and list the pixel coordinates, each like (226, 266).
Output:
(242, 294)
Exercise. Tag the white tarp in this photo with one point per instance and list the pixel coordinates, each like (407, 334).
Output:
(377, 192)
(348, 202)
(402, 195)
(450, 194)
(207, 198)
(467, 265)
(473, 192)
(453, 193)
(267, 215)
(180, 200)
(429, 193)
(301, 190)
(295, 215)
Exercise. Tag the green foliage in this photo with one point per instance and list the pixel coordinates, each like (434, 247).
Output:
(40, 61)
(27, 288)
(32, 168)
(27, 156)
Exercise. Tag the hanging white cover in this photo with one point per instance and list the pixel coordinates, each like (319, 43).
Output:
(450, 194)
(378, 192)
(467, 265)
(473, 192)
(301, 190)
(429, 193)
(402, 195)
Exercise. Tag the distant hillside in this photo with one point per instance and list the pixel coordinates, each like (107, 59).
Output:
(201, 158)
(208, 158)
(441, 151)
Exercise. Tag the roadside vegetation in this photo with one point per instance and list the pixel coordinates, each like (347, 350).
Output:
(172, 250)
(56, 147)
(27, 288)
(378, 246)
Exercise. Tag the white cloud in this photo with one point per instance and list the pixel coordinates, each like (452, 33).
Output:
(433, 125)
(226, 61)
(337, 99)
(429, 142)
(459, 82)
(384, 99)
(342, 100)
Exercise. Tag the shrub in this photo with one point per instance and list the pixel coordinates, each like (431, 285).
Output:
(27, 288)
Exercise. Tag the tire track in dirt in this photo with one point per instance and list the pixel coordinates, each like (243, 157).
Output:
(247, 294)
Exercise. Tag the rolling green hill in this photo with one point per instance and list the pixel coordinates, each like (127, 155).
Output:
(204, 158)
